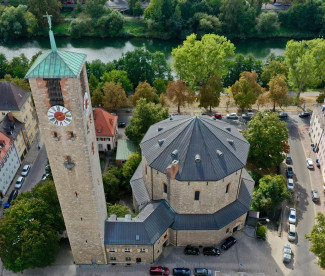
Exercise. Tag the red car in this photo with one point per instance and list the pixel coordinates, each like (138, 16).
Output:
(287, 149)
(159, 270)
(217, 116)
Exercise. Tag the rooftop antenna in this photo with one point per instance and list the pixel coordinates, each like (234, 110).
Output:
(52, 40)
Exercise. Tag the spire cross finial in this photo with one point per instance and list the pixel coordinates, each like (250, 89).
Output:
(48, 20)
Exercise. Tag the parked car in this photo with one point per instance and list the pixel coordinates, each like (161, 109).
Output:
(289, 172)
(292, 232)
(159, 270)
(6, 205)
(287, 147)
(292, 216)
(121, 124)
(19, 182)
(314, 195)
(310, 163)
(288, 160)
(277, 4)
(25, 170)
(202, 272)
(233, 116)
(290, 184)
(283, 115)
(287, 253)
(13, 195)
(247, 116)
(304, 114)
(191, 250)
(217, 116)
(229, 242)
(44, 177)
(181, 271)
(211, 251)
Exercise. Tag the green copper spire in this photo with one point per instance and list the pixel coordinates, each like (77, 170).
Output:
(52, 40)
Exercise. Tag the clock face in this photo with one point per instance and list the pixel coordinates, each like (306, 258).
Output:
(59, 115)
(86, 103)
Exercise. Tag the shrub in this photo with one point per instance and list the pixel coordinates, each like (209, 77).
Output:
(261, 232)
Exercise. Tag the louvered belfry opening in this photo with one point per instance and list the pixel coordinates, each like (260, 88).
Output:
(83, 85)
(54, 91)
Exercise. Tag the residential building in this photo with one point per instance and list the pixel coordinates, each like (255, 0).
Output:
(317, 135)
(15, 130)
(191, 188)
(19, 102)
(106, 129)
(58, 80)
(9, 162)
(125, 148)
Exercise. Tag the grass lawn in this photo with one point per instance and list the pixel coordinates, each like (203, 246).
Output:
(134, 27)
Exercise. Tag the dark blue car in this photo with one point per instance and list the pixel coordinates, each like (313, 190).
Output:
(289, 172)
(181, 271)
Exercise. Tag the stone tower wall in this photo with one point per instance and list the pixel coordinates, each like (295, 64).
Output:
(80, 190)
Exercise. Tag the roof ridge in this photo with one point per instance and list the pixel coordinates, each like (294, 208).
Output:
(66, 64)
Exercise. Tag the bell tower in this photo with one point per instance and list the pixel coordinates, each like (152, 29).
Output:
(59, 85)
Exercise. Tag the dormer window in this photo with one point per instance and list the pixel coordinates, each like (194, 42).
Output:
(99, 130)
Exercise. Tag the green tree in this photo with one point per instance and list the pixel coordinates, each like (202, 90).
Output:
(317, 239)
(97, 98)
(41, 7)
(138, 10)
(179, 94)
(18, 66)
(197, 60)
(271, 192)
(321, 97)
(246, 90)
(3, 65)
(96, 67)
(209, 95)
(93, 83)
(118, 76)
(130, 167)
(160, 66)
(22, 83)
(159, 84)
(266, 135)
(207, 24)
(240, 64)
(95, 8)
(31, 227)
(77, 28)
(261, 231)
(267, 23)
(16, 3)
(114, 95)
(145, 115)
(146, 91)
(119, 210)
(16, 22)
(272, 69)
(278, 91)
(112, 184)
(110, 24)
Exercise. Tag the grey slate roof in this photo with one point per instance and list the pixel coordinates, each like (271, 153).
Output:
(156, 217)
(12, 130)
(12, 97)
(139, 188)
(192, 135)
(149, 225)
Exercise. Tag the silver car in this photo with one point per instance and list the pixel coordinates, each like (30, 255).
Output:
(25, 170)
(19, 182)
(233, 116)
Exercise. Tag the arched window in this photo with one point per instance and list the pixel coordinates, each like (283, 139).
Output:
(197, 195)
(227, 187)
(165, 188)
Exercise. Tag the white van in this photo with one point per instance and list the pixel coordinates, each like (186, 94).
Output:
(292, 232)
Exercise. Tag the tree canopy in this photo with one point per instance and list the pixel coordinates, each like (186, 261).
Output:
(271, 192)
(130, 166)
(146, 91)
(30, 227)
(278, 91)
(317, 239)
(114, 95)
(209, 95)
(268, 23)
(145, 115)
(40, 7)
(118, 76)
(266, 135)
(197, 60)
(179, 94)
(272, 69)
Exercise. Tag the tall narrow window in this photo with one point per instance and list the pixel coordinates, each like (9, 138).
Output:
(83, 85)
(54, 91)
(197, 195)
(227, 188)
(165, 188)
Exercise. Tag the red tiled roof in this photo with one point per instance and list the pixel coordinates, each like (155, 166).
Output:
(5, 145)
(105, 122)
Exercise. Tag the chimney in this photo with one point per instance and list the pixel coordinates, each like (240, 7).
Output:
(11, 117)
(172, 169)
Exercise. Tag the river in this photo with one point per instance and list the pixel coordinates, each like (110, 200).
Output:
(109, 49)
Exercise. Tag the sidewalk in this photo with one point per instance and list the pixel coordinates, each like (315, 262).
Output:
(316, 177)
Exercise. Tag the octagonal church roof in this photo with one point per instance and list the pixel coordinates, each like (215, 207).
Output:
(206, 149)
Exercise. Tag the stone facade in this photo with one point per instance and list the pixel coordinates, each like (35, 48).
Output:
(317, 124)
(80, 189)
(213, 195)
(136, 253)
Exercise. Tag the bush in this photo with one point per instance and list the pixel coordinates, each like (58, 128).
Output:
(267, 23)
(261, 232)
(77, 28)
(256, 176)
(321, 97)
(118, 210)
